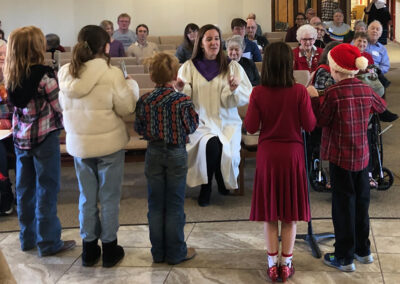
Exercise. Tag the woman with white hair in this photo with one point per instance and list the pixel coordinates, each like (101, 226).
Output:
(235, 46)
(306, 56)
(337, 29)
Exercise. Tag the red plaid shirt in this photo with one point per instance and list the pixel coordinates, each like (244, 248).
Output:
(344, 116)
(41, 116)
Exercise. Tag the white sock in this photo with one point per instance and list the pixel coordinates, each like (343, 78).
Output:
(286, 259)
(272, 259)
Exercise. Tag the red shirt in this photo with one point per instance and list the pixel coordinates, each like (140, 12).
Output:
(300, 61)
(344, 117)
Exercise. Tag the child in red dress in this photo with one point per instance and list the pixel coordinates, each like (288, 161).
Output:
(281, 108)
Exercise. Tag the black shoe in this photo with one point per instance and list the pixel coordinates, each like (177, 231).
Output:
(388, 116)
(90, 253)
(204, 196)
(6, 203)
(112, 253)
(221, 185)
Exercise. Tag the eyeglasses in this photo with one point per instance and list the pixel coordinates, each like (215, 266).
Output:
(307, 39)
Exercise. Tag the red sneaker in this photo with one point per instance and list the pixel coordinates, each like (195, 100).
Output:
(286, 272)
(273, 273)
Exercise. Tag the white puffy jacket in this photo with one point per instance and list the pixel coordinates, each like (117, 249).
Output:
(93, 106)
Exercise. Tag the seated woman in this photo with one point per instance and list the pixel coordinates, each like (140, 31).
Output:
(291, 33)
(235, 47)
(321, 32)
(337, 29)
(359, 26)
(184, 51)
(361, 42)
(116, 47)
(307, 55)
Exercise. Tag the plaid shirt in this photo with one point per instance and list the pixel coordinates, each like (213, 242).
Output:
(41, 116)
(344, 116)
(166, 115)
(327, 8)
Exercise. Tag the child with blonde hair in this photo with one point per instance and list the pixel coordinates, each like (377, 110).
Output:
(95, 96)
(166, 118)
(33, 91)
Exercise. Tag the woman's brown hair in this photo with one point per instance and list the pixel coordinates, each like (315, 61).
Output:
(26, 47)
(277, 66)
(198, 52)
(92, 41)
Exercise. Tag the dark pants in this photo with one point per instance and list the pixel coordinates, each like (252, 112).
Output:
(213, 157)
(165, 170)
(350, 203)
(6, 194)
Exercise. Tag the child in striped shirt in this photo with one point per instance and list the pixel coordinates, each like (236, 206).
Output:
(166, 118)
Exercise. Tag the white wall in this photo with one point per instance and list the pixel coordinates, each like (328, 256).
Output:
(164, 17)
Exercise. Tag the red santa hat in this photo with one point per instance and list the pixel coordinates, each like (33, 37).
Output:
(346, 58)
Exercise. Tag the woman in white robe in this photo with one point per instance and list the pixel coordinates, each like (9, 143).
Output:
(217, 87)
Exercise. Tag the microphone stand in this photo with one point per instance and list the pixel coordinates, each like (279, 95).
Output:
(311, 238)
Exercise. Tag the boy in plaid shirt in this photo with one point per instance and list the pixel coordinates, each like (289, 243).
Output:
(344, 116)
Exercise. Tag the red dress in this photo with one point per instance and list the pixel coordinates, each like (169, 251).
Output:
(280, 182)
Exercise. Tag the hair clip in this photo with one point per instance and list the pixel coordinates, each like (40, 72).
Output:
(85, 44)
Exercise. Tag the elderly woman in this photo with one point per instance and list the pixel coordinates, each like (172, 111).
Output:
(116, 47)
(337, 29)
(217, 87)
(185, 50)
(307, 55)
(359, 26)
(235, 46)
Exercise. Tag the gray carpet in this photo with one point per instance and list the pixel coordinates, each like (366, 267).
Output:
(134, 198)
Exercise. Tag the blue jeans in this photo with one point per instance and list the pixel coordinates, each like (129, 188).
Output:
(37, 186)
(100, 179)
(165, 170)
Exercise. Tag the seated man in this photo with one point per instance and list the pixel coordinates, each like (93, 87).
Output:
(251, 51)
(124, 34)
(142, 49)
(251, 29)
(253, 17)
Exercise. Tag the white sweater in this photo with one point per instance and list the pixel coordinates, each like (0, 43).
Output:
(93, 106)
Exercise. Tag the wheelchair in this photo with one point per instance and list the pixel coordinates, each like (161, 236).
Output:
(317, 175)
(382, 175)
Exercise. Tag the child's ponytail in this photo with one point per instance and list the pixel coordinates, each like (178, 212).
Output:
(92, 41)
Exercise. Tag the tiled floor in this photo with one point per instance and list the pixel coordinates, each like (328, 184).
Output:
(228, 252)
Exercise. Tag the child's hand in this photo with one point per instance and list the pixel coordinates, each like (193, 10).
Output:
(312, 91)
(233, 83)
(179, 84)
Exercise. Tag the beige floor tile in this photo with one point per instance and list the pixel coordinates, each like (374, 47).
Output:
(226, 240)
(227, 258)
(96, 275)
(302, 277)
(208, 275)
(3, 236)
(387, 244)
(241, 226)
(391, 278)
(387, 228)
(390, 263)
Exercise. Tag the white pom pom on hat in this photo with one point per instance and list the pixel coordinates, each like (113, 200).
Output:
(346, 58)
